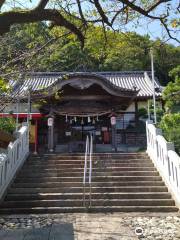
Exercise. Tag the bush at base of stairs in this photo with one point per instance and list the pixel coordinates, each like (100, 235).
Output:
(7, 124)
(170, 125)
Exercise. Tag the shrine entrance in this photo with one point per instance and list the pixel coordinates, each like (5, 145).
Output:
(83, 104)
(71, 132)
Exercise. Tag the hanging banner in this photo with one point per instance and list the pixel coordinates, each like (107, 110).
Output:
(113, 120)
(32, 134)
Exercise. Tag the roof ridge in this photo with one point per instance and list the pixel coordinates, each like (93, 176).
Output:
(85, 72)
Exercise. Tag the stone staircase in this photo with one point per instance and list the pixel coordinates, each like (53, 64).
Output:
(120, 182)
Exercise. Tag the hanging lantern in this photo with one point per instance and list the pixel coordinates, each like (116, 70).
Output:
(97, 118)
(82, 121)
(113, 120)
(89, 119)
(70, 121)
(75, 119)
(93, 122)
(66, 118)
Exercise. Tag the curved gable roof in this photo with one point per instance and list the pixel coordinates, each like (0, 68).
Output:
(117, 83)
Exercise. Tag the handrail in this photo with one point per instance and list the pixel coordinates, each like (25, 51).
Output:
(88, 156)
(90, 169)
(12, 160)
(85, 170)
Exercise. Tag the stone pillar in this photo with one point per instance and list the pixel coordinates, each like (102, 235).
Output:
(113, 127)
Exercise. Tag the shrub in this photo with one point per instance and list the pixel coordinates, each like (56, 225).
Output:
(7, 124)
(142, 112)
(170, 125)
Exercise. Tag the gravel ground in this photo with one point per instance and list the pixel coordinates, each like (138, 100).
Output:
(115, 226)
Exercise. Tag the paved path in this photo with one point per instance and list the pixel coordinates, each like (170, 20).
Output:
(116, 226)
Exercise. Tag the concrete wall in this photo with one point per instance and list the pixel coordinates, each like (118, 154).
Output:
(131, 108)
(142, 104)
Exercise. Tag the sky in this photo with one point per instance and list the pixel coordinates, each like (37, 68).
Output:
(144, 27)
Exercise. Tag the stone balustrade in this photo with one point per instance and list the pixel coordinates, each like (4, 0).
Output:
(164, 157)
(14, 157)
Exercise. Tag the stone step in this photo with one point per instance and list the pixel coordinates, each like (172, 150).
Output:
(103, 209)
(94, 174)
(113, 195)
(74, 170)
(95, 202)
(18, 184)
(95, 179)
(71, 166)
(53, 183)
(83, 159)
(81, 162)
(95, 189)
(96, 156)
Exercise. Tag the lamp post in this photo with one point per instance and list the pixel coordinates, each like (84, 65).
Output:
(153, 80)
(17, 113)
(29, 106)
(18, 100)
(28, 90)
(148, 110)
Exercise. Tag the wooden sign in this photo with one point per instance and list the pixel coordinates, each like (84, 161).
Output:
(68, 134)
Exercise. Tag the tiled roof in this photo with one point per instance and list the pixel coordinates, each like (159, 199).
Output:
(123, 80)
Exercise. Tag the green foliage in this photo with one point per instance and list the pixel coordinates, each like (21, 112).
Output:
(171, 93)
(128, 52)
(142, 112)
(170, 124)
(140, 127)
(7, 124)
(175, 72)
(166, 57)
(3, 86)
(159, 110)
(113, 51)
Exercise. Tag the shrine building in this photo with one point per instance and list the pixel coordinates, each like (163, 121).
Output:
(65, 107)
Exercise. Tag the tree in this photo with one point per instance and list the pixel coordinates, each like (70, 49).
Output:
(35, 47)
(166, 58)
(129, 52)
(171, 93)
(170, 125)
(76, 15)
(170, 122)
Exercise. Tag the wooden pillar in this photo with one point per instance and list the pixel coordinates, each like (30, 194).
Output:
(36, 137)
(136, 113)
(114, 142)
(51, 134)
